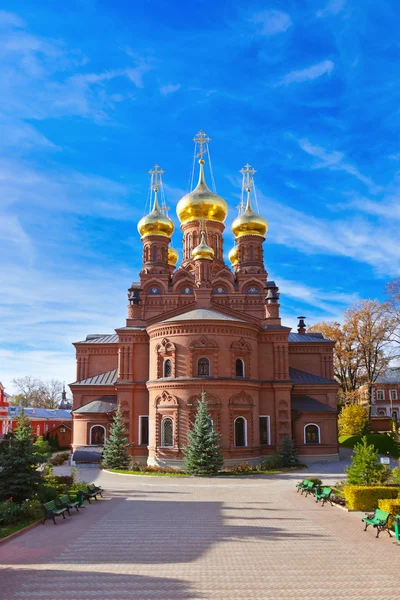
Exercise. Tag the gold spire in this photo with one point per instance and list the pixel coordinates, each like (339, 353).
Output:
(156, 223)
(203, 250)
(249, 222)
(201, 203)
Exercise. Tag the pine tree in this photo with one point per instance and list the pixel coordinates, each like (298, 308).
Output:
(364, 469)
(203, 453)
(287, 452)
(19, 477)
(115, 454)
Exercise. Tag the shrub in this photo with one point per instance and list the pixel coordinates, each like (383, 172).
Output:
(287, 453)
(10, 512)
(363, 497)
(364, 469)
(352, 420)
(47, 493)
(392, 507)
(42, 448)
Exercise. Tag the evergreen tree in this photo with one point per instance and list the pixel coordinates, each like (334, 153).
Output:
(364, 468)
(115, 454)
(203, 452)
(287, 452)
(42, 448)
(19, 477)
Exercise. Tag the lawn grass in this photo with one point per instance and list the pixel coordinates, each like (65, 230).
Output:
(14, 527)
(383, 443)
(221, 473)
(147, 474)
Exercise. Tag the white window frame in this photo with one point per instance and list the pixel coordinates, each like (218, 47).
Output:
(380, 392)
(268, 428)
(395, 410)
(90, 434)
(245, 431)
(393, 394)
(37, 430)
(162, 432)
(164, 363)
(382, 410)
(319, 433)
(140, 430)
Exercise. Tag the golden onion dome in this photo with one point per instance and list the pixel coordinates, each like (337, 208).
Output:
(203, 250)
(156, 223)
(173, 256)
(202, 203)
(249, 223)
(234, 255)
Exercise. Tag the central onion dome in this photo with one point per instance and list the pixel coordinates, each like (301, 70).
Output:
(249, 222)
(203, 250)
(202, 203)
(156, 223)
(172, 256)
(234, 255)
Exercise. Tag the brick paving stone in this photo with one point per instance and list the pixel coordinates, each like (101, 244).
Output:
(201, 539)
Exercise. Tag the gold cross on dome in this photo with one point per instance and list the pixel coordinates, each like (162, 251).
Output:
(248, 178)
(156, 173)
(202, 140)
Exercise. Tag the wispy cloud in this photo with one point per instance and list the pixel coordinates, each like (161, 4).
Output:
(334, 7)
(309, 74)
(326, 300)
(10, 19)
(271, 22)
(170, 88)
(335, 161)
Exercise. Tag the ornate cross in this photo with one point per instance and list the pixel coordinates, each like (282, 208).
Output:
(248, 178)
(156, 173)
(202, 140)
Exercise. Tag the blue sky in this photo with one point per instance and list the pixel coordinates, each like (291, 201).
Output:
(94, 93)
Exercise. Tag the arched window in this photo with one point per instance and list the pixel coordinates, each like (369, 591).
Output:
(240, 432)
(97, 435)
(154, 253)
(239, 367)
(167, 368)
(203, 367)
(251, 253)
(395, 415)
(382, 413)
(311, 434)
(167, 433)
(38, 430)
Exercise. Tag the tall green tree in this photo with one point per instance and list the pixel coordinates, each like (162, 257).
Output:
(203, 452)
(115, 454)
(19, 477)
(364, 468)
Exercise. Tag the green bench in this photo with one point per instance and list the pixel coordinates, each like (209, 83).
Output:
(95, 488)
(89, 493)
(308, 489)
(77, 497)
(378, 519)
(324, 495)
(51, 511)
(66, 502)
(301, 485)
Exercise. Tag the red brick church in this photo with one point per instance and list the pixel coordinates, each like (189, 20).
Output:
(203, 325)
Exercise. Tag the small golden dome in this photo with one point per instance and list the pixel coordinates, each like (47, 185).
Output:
(173, 256)
(155, 223)
(233, 255)
(202, 203)
(203, 250)
(249, 223)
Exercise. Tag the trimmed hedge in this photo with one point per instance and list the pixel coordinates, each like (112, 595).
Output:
(392, 507)
(366, 497)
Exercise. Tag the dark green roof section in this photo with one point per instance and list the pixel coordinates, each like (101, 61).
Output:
(303, 403)
(302, 377)
(108, 378)
(103, 404)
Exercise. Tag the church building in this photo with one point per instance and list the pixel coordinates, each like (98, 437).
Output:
(205, 326)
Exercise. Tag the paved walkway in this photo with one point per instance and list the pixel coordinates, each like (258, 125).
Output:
(199, 539)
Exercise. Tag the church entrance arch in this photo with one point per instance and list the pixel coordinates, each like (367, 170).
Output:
(97, 435)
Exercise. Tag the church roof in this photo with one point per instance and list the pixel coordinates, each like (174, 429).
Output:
(200, 314)
(102, 404)
(57, 414)
(304, 403)
(301, 377)
(108, 378)
(307, 337)
(100, 338)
